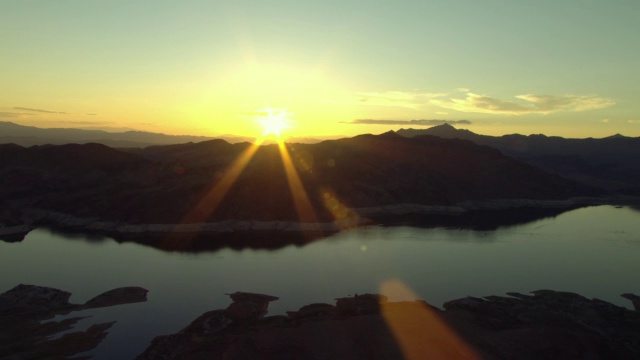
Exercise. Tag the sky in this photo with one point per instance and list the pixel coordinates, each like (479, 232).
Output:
(326, 68)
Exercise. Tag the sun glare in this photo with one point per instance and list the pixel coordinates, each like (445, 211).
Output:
(273, 121)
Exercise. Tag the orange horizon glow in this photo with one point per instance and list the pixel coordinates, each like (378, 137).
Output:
(194, 67)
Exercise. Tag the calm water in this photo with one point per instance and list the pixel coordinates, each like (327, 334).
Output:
(594, 251)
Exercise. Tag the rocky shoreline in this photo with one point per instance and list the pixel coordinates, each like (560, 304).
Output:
(28, 331)
(543, 325)
(34, 217)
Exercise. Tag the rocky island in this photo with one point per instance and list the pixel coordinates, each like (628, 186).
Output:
(29, 330)
(544, 325)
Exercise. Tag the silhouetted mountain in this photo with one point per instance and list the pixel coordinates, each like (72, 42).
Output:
(206, 153)
(612, 162)
(190, 183)
(446, 131)
(69, 158)
(56, 172)
(30, 136)
(372, 170)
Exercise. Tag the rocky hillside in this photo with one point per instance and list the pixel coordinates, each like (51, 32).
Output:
(546, 325)
(192, 182)
(612, 162)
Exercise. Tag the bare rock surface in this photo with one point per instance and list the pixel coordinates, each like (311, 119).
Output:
(544, 325)
(635, 300)
(124, 295)
(14, 233)
(29, 299)
(27, 331)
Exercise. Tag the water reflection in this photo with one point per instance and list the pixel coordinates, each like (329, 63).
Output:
(482, 224)
(477, 220)
(635, 207)
(78, 236)
(592, 251)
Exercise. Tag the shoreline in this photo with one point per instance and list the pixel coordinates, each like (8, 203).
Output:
(559, 324)
(34, 218)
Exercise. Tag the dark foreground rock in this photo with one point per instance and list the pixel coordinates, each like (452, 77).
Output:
(27, 331)
(545, 325)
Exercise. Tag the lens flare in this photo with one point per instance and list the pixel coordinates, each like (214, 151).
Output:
(273, 121)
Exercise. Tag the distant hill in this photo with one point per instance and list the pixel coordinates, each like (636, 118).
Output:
(29, 136)
(612, 162)
(176, 183)
(11, 133)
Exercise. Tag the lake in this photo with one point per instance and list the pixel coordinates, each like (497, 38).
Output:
(594, 251)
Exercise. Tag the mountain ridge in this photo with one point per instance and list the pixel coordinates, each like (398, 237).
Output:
(177, 183)
(31, 135)
(612, 162)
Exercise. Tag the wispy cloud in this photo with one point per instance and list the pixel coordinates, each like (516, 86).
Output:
(38, 110)
(526, 104)
(408, 122)
(86, 122)
(406, 99)
(42, 111)
(633, 121)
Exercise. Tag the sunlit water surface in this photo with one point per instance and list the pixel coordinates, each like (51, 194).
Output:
(593, 251)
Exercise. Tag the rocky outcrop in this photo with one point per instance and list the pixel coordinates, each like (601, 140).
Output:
(12, 226)
(27, 331)
(31, 299)
(14, 233)
(548, 325)
(119, 296)
(635, 300)
(545, 325)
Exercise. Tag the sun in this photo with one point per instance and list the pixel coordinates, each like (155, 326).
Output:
(273, 121)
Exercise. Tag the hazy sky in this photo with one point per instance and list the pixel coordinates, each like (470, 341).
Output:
(569, 68)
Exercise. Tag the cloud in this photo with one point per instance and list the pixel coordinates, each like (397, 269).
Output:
(405, 99)
(86, 122)
(39, 110)
(408, 122)
(4, 114)
(526, 104)
(47, 111)
(633, 121)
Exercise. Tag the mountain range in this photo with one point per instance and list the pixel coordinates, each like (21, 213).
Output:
(612, 163)
(11, 133)
(215, 181)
